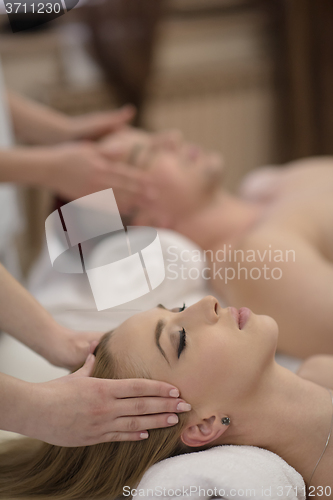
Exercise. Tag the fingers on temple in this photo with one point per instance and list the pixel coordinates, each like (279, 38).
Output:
(142, 423)
(148, 406)
(136, 387)
(125, 436)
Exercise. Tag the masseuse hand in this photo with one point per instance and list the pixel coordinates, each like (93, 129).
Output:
(73, 170)
(75, 410)
(79, 410)
(68, 348)
(78, 169)
(37, 124)
(93, 126)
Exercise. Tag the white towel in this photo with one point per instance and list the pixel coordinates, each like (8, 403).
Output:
(232, 472)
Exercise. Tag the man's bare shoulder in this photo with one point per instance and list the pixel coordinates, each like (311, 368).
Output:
(270, 182)
(281, 274)
(318, 170)
(281, 244)
(267, 249)
(270, 236)
(318, 369)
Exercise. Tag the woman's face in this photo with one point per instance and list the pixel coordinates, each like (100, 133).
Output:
(184, 175)
(215, 360)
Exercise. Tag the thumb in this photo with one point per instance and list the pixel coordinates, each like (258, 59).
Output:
(93, 346)
(118, 118)
(87, 369)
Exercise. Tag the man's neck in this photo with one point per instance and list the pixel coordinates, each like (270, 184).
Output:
(290, 417)
(224, 218)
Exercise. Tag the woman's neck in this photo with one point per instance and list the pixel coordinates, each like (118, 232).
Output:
(223, 218)
(289, 416)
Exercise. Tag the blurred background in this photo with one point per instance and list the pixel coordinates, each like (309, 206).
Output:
(252, 79)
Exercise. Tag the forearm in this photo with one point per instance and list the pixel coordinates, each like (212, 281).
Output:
(35, 123)
(25, 319)
(27, 166)
(15, 402)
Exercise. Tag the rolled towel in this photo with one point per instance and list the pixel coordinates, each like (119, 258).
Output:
(232, 472)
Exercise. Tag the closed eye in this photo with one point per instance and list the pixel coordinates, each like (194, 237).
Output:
(182, 333)
(179, 309)
(182, 342)
(175, 309)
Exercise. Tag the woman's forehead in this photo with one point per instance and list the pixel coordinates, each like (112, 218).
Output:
(139, 324)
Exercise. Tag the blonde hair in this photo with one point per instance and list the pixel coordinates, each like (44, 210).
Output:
(31, 469)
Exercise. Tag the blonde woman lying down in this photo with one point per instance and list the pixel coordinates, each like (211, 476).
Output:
(222, 360)
(278, 229)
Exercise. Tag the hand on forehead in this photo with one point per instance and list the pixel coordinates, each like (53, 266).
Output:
(126, 144)
(121, 143)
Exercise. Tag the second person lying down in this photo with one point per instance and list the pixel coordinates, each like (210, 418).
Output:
(281, 220)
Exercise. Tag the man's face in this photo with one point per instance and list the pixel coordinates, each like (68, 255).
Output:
(184, 175)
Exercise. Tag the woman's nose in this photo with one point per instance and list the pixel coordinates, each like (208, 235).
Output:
(208, 308)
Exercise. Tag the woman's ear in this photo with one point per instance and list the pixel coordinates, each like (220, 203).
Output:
(203, 433)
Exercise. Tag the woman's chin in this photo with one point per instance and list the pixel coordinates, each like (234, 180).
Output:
(266, 327)
(269, 323)
(271, 329)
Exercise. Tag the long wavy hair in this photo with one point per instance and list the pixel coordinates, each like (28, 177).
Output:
(32, 469)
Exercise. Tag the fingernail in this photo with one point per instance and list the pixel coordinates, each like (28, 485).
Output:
(174, 393)
(144, 435)
(173, 419)
(184, 407)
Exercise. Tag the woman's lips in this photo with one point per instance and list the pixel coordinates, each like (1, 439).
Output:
(241, 316)
(244, 314)
(235, 314)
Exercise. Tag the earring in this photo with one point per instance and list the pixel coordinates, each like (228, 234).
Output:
(225, 421)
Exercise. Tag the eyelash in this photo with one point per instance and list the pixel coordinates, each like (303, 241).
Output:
(182, 342)
(182, 308)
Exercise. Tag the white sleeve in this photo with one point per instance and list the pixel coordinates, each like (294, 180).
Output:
(11, 220)
(6, 132)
